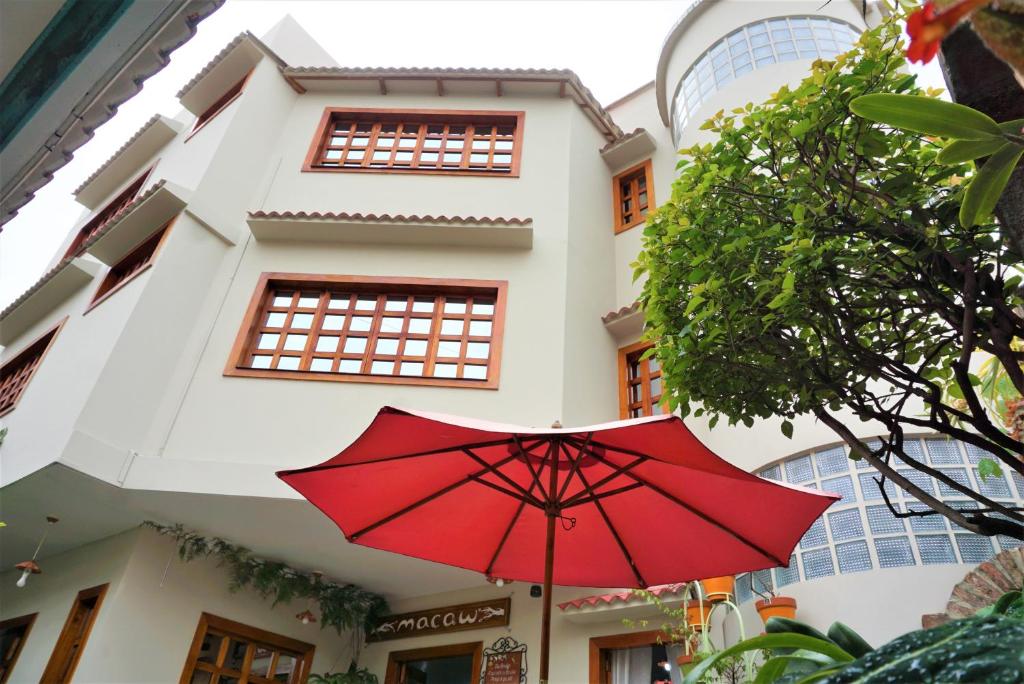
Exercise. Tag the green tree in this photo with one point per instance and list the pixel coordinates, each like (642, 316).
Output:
(811, 260)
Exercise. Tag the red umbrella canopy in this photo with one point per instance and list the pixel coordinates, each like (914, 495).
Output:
(636, 502)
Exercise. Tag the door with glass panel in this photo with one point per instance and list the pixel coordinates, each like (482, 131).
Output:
(228, 652)
(451, 664)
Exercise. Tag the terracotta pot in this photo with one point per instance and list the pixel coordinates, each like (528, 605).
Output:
(685, 663)
(693, 616)
(778, 606)
(717, 589)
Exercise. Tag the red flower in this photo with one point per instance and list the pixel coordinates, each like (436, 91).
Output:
(927, 29)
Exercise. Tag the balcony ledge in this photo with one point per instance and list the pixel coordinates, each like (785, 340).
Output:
(62, 281)
(152, 209)
(149, 140)
(628, 150)
(386, 229)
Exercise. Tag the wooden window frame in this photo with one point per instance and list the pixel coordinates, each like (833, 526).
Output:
(209, 621)
(101, 218)
(397, 658)
(60, 655)
(647, 398)
(214, 110)
(648, 171)
(105, 290)
(377, 285)
(598, 673)
(427, 116)
(28, 621)
(53, 333)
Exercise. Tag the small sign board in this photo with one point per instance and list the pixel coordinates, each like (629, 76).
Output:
(479, 615)
(503, 668)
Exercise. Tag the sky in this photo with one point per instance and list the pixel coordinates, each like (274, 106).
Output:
(613, 46)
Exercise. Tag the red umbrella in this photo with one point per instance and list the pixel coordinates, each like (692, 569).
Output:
(593, 506)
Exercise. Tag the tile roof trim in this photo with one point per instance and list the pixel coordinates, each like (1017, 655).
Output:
(117, 153)
(387, 218)
(663, 590)
(225, 51)
(583, 96)
(619, 314)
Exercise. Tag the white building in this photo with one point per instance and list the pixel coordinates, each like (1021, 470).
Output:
(221, 311)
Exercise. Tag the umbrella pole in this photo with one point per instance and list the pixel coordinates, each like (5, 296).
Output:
(545, 627)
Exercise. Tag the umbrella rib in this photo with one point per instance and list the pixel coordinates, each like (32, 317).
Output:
(523, 493)
(615, 534)
(512, 494)
(576, 501)
(427, 499)
(575, 465)
(535, 474)
(432, 452)
(700, 514)
(619, 470)
(508, 531)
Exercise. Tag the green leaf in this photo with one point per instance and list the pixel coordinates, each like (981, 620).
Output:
(787, 429)
(982, 194)
(988, 467)
(771, 641)
(926, 115)
(960, 151)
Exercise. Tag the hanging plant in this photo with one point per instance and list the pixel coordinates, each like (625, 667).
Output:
(342, 606)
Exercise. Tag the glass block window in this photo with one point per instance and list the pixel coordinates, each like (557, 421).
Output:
(869, 488)
(893, 552)
(840, 485)
(474, 143)
(832, 461)
(882, 521)
(974, 548)
(799, 470)
(784, 576)
(752, 47)
(743, 590)
(859, 532)
(943, 451)
(374, 329)
(853, 557)
(995, 487)
(815, 535)
(920, 479)
(935, 548)
(17, 372)
(639, 382)
(846, 524)
(817, 563)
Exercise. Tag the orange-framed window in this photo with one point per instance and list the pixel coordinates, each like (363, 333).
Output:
(135, 263)
(633, 192)
(17, 372)
(639, 382)
(481, 143)
(370, 329)
(60, 669)
(227, 651)
(13, 634)
(220, 105)
(108, 213)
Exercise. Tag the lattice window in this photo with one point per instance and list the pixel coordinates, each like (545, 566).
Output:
(639, 382)
(480, 143)
(227, 651)
(376, 330)
(138, 260)
(107, 214)
(16, 373)
(633, 190)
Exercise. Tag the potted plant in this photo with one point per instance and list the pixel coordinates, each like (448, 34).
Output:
(718, 589)
(770, 605)
(353, 676)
